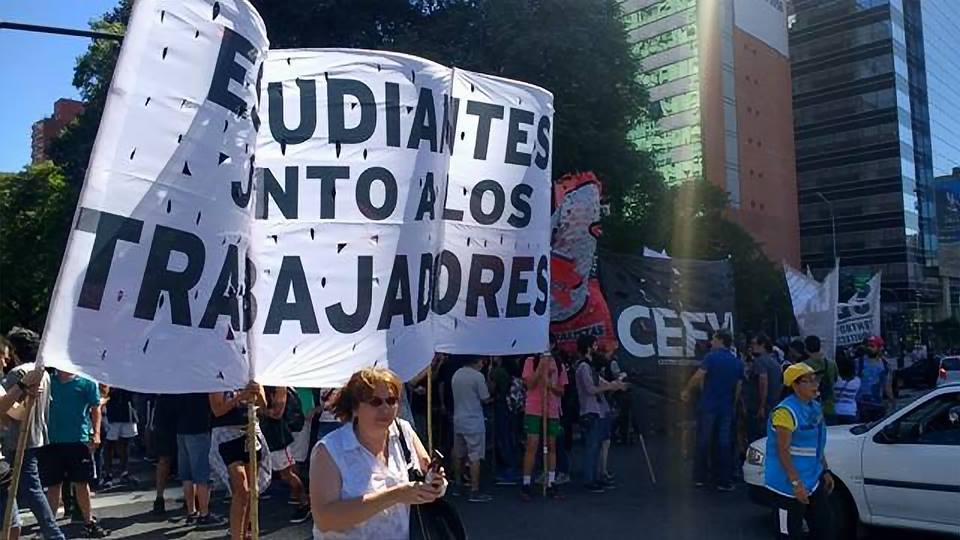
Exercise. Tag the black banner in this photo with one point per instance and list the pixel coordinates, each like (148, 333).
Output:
(664, 311)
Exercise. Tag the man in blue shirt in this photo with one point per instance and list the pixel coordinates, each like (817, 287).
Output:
(74, 426)
(719, 378)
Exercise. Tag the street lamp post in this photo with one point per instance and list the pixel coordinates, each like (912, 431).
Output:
(901, 330)
(833, 223)
(918, 295)
(93, 34)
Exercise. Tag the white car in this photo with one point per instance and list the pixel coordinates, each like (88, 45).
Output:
(949, 370)
(902, 471)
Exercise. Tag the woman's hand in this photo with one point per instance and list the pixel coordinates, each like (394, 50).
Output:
(32, 379)
(418, 493)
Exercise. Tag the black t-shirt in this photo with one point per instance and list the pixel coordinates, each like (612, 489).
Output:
(119, 406)
(193, 414)
(236, 417)
(165, 417)
(275, 430)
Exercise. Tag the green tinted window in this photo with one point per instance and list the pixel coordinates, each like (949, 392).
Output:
(649, 137)
(666, 40)
(657, 11)
(669, 72)
(676, 172)
(678, 104)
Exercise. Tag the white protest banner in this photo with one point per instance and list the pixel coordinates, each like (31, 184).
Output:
(815, 305)
(859, 317)
(343, 251)
(383, 177)
(496, 220)
(148, 296)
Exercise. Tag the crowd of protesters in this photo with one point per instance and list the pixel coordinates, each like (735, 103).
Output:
(747, 392)
(738, 386)
(518, 414)
(81, 436)
(85, 436)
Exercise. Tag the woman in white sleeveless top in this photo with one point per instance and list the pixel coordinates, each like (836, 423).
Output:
(359, 484)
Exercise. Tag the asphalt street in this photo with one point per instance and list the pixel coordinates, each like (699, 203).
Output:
(672, 509)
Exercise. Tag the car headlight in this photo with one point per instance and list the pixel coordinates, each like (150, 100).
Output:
(755, 456)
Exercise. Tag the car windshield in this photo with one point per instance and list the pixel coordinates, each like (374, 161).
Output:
(863, 428)
(951, 364)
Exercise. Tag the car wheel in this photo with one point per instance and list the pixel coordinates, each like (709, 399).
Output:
(846, 518)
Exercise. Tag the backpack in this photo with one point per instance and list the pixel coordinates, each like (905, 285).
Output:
(293, 413)
(570, 402)
(516, 395)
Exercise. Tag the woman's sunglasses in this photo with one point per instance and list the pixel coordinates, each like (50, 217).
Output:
(376, 401)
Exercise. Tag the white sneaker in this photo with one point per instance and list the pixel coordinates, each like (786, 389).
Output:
(562, 478)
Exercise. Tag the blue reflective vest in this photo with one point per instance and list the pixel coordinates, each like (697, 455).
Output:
(806, 447)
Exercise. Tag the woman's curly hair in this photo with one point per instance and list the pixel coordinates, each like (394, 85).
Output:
(360, 389)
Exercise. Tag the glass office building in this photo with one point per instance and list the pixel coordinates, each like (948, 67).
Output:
(863, 140)
(718, 77)
(941, 38)
(666, 39)
(948, 233)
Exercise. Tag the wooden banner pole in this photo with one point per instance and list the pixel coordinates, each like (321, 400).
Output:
(430, 410)
(252, 478)
(544, 414)
(17, 465)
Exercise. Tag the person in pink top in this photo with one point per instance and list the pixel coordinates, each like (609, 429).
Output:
(542, 375)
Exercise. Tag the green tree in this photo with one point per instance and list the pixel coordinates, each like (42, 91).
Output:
(37, 204)
(92, 75)
(36, 208)
(691, 223)
(577, 49)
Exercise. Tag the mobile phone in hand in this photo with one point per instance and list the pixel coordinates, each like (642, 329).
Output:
(433, 470)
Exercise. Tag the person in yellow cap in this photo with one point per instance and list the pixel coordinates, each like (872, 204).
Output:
(796, 472)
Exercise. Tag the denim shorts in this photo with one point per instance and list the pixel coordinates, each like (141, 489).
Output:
(193, 458)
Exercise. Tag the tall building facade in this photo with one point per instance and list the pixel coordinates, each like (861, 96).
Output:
(941, 19)
(864, 143)
(948, 235)
(46, 130)
(718, 77)
(941, 23)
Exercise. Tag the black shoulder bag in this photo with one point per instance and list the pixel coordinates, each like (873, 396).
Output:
(438, 520)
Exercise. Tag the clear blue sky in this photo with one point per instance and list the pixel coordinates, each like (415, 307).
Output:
(37, 68)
